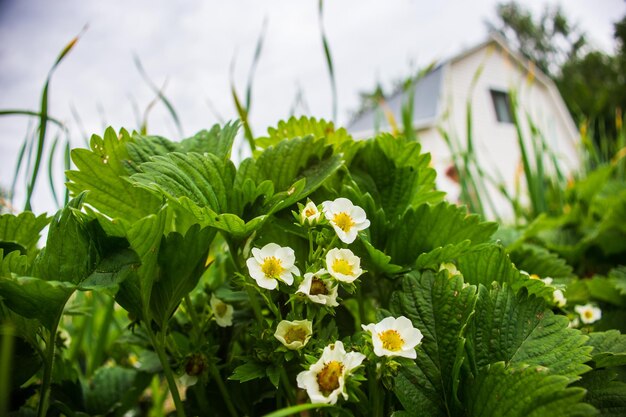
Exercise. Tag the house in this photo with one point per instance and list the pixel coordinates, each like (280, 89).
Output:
(483, 76)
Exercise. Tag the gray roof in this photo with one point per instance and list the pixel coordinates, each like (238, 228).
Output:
(425, 105)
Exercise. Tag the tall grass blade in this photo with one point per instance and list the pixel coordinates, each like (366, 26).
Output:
(241, 110)
(68, 165)
(20, 159)
(18, 112)
(329, 59)
(7, 333)
(81, 126)
(144, 124)
(43, 121)
(160, 95)
(51, 154)
(255, 61)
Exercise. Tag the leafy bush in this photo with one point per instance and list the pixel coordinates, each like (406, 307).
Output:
(320, 263)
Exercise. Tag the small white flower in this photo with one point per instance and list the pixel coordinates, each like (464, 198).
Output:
(326, 378)
(343, 265)
(559, 298)
(574, 323)
(187, 380)
(318, 290)
(310, 214)
(394, 337)
(223, 312)
(346, 218)
(272, 263)
(450, 267)
(588, 313)
(294, 334)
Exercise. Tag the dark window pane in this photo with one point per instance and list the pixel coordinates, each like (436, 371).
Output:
(502, 106)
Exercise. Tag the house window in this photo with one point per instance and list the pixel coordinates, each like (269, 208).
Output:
(502, 106)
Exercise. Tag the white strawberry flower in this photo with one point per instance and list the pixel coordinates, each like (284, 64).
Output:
(294, 334)
(319, 290)
(222, 312)
(394, 337)
(450, 267)
(588, 313)
(343, 265)
(310, 214)
(272, 263)
(559, 298)
(346, 218)
(325, 380)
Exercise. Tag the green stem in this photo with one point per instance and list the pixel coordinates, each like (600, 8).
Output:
(374, 392)
(47, 371)
(225, 394)
(103, 334)
(167, 370)
(361, 315)
(6, 353)
(287, 386)
(195, 321)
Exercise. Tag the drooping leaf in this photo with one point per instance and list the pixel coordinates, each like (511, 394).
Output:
(248, 371)
(181, 263)
(520, 330)
(523, 392)
(23, 229)
(439, 307)
(102, 172)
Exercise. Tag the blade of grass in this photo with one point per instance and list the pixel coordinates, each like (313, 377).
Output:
(20, 159)
(7, 331)
(329, 59)
(20, 112)
(144, 124)
(79, 123)
(241, 110)
(255, 61)
(161, 96)
(51, 154)
(43, 121)
(68, 165)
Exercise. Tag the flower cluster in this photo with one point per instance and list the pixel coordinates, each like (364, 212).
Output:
(329, 268)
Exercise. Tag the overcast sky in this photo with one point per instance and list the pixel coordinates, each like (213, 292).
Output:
(191, 44)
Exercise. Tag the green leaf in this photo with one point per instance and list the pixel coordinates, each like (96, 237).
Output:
(111, 271)
(13, 263)
(144, 238)
(395, 173)
(108, 389)
(617, 276)
(102, 172)
(23, 229)
(441, 254)
(181, 263)
(604, 392)
(248, 372)
(429, 227)
(540, 261)
(485, 264)
(217, 141)
(523, 392)
(609, 348)
(36, 298)
(520, 331)
(439, 307)
(204, 179)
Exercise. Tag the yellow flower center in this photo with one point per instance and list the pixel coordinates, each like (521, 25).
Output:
(309, 212)
(534, 276)
(272, 267)
(343, 221)
(220, 309)
(328, 378)
(391, 340)
(318, 287)
(342, 266)
(588, 314)
(295, 334)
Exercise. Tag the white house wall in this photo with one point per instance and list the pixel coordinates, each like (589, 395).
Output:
(496, 143)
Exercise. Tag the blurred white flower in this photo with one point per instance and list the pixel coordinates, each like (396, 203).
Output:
(294, 334)
(450, 267)
(588, 313)
(310, 214)
(318, 290)
(394, 337)
(272, 263)
(222, 312)
(326, 378)
(559, 298)
(343, 265)
(346, 218)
